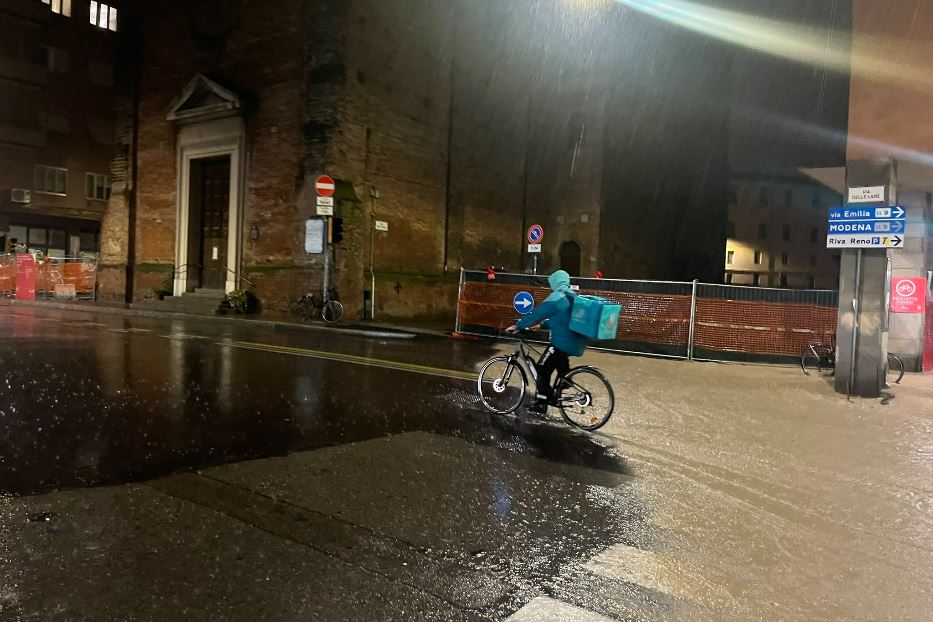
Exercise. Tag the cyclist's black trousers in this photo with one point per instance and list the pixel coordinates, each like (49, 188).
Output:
(552, 360)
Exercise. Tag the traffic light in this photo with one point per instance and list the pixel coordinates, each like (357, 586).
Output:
(336, 230)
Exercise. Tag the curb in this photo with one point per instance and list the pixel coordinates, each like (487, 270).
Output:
(383, 331)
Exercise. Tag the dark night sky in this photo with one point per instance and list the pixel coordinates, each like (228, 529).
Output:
(776, 100)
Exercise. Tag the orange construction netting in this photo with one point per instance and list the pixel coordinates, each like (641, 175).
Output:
(723, 325)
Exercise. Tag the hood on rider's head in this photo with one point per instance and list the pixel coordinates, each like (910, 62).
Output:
(560, 283)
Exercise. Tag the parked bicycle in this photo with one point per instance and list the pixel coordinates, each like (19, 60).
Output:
(584, 396)
(310, 306)
(821, 358)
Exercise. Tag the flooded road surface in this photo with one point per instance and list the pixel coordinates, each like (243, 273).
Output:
(216, 470)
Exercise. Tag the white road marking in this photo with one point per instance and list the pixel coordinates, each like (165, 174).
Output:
(545, 609)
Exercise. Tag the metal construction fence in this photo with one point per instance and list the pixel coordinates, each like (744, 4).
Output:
(56, 277)
(689, 320)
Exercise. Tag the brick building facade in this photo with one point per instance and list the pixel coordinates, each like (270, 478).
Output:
(56, 131)
(458, 123)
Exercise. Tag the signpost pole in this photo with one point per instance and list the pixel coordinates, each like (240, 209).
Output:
(326, 256)
(534, 265)
(855, 324)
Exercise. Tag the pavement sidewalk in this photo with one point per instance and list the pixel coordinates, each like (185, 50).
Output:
(385, 330)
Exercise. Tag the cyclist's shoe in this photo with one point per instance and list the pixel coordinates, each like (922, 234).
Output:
(539, 407)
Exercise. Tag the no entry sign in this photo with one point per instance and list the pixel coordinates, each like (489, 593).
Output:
(325, 186)
(908, 295)
(535, 234)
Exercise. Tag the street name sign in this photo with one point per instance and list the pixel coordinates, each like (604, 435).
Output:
(866, 194)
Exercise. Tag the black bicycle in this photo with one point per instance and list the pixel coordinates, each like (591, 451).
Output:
(584, 396)
(309, 306)
(821, 358)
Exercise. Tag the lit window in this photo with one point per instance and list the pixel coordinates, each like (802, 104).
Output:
(97, 187)
(103, 16)
(51, 180)
(62, 7)
(756, 279)
(757, 258)
(730, 257)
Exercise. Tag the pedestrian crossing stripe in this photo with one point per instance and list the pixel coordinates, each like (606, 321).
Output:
(545, 609)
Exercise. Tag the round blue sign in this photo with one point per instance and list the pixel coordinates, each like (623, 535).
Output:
(524, 303)
(535, 234)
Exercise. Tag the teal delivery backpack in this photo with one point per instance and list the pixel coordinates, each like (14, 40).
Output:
(595, 318)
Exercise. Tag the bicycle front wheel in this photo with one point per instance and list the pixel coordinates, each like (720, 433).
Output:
(895, 369)
(501, 385)
(332, 312)
(585, 398)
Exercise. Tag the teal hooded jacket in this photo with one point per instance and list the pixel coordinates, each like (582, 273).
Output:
(554, 312)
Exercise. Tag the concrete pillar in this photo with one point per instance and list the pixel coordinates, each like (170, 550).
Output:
(864, 279)
(907, 329)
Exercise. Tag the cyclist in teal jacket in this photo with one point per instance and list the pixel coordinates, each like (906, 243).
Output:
(553, 314)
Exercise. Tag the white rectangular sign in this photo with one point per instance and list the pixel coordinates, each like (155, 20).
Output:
(314, 236)
(867, 194)
(534, 248)
(325, 210)
(382, 225)
(325, 201)
(864, 241)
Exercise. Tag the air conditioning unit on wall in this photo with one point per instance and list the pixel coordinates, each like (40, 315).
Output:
(20, 195)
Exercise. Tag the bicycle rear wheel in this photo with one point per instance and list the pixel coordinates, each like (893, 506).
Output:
(585, 398)
(501, 385)
(332, 312)
(303, 308)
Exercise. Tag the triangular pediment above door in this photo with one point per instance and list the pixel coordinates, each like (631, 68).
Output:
(203, 98)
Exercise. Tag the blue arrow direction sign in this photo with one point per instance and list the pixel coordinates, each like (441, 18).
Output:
(852, 213)
(866, 226)
(524, 303)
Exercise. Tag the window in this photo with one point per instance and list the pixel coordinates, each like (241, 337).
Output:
(811, 281)
(758, 258)
(785, 233)
(728, 278)
(814, 234)
(62, 7)
(104, 16)
(97, 187)
(812, 261)
(36, 236)
(730, 229)
(788, 198)
(51, 180)
(764, 196)
(730, 257)
(783, 279)
(785, 259)
(816, 199)
(756, 279)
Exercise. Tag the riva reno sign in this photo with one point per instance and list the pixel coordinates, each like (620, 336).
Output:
(908, 295)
